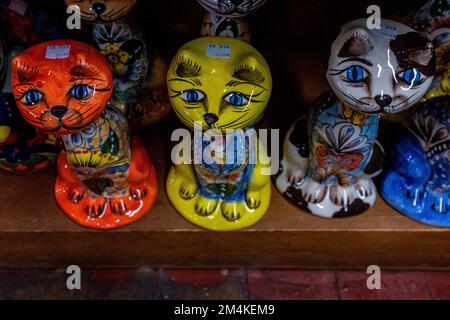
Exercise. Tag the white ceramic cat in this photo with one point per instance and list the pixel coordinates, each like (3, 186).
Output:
(331, 154)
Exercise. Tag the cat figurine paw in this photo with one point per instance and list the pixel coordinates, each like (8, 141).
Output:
(331, 154)
(139, 72)
(105, 177)
(219, 87)
(226, 18)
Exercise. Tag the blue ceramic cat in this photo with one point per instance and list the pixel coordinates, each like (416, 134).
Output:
(418, 181)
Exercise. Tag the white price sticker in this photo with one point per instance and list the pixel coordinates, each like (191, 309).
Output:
(57, 52)
(18, 6)
(222, 51)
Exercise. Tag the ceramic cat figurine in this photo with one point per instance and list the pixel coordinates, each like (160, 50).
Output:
(434, 14)
(419, 170)
(220, 86)
(139, 73)
(226, 18)
(105, 177)
(22, 149)
(331, 155)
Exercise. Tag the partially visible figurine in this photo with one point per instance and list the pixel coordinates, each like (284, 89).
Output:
(434, 19)
(22, 149)
(26, 22)
(434, 14)
(139, 73)
(418, 181)
(420, 164)
(331, 155)
(226, 18)
(220, 87)
(105, 177)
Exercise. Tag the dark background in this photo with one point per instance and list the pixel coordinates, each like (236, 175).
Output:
(168, 24)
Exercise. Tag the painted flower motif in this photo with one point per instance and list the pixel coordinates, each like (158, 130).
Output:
(125, 54)
(85, 158)
(341, 145)
(110, 33)
(428, 130)
(343, 137)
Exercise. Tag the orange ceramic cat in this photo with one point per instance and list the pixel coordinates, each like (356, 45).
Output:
(105, 177)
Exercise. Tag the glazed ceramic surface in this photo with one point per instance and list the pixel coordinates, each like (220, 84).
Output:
(231, 8)
(222, 86)
(22, 149)
(420, 163)
(220, 26)
(226, 18)
(25, 23)
(331, 155)
(417, 183)
(105, 177)
(139, 73)
(434, 14)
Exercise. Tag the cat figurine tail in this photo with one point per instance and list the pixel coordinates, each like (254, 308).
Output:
(105, 177)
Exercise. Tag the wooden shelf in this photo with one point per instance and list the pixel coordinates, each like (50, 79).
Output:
(35, 233)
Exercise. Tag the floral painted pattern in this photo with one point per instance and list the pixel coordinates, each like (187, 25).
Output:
(220, 177)
(99, 150)
(342, 142)
(420, 165)
(124, 48)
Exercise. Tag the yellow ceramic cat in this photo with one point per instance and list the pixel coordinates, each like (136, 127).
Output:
(220, 86)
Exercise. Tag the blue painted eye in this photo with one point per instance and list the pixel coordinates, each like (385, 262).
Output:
(192, 96)
(356, 74)
(237, 99)
(81, 91)
(411, 76)
(31, 97)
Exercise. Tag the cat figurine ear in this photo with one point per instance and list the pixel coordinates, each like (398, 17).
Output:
(139, 72)
(105, 177)
(219, 87)
(227, 18)
(331, 155)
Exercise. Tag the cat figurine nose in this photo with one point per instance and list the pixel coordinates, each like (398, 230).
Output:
(383, 100)
(59, 111)
(210, 118)
(99, 8)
